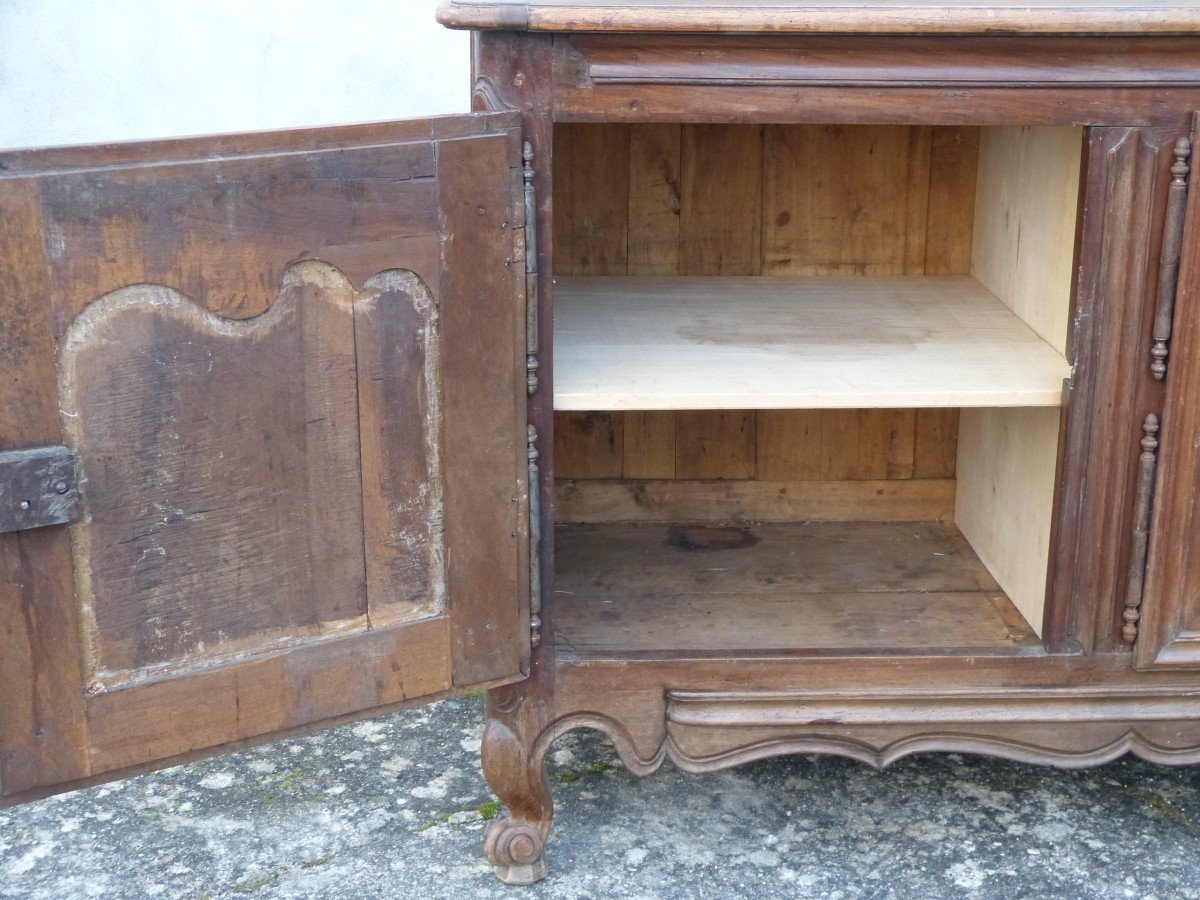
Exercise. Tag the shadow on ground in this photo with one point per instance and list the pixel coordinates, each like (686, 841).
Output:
(396, 807)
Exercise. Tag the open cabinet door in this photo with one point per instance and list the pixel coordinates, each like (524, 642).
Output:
(285, 375)
(1170, 619)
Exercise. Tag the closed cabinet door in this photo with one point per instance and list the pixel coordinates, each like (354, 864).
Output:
(1169, 630)
(263, 452)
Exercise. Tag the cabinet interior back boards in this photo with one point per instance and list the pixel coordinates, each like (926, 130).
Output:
(736, 380)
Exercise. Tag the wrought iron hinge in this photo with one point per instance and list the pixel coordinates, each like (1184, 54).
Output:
(535, 544)
(1168, 262)
(39, 486)
(1144, 500)
(531, 272)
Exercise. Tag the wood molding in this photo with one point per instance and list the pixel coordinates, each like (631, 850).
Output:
(698, 749)
(1003, 61)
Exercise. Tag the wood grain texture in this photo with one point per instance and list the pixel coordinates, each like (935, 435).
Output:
(854, 79)
(626, 589)
(714, 443)
(1126, 184)
(845, 200)
(673, 500)
(589, 444)
(221, 434)
(721, 200)
(1170, 628)
(953, 175)
(836, 16)
(42, 726)
(1007, 463)
(692, 343)
(1025, 213)
(246, 468)
(807, 183)
(396, 339)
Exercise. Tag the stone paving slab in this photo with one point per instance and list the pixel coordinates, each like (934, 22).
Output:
(396, 807)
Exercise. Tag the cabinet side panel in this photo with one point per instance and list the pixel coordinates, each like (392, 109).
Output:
(1025, 211)
(1007, 459)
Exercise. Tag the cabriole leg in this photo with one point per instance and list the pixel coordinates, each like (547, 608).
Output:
(512, 765)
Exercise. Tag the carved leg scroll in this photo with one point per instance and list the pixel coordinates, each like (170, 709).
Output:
(512, 765)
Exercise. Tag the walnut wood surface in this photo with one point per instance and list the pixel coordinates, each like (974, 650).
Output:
(1170, 626)
(898, 80)
(1022, 16)
(298, 507)
(1077, 701)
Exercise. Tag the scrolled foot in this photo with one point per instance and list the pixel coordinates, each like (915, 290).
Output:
(515, 851)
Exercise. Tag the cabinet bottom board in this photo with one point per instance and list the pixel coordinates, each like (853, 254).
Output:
(837, 586)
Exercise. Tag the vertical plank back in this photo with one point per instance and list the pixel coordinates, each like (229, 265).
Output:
(669, 199)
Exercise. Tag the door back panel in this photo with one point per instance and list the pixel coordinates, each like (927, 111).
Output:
(292, 369)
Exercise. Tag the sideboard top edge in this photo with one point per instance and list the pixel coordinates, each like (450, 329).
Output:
(829, 16)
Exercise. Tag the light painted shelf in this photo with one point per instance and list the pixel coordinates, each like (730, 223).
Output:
(794, 343)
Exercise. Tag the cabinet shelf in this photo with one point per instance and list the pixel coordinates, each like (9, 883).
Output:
(831, 586)
(645, 343)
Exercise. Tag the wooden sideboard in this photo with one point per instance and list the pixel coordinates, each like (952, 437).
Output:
(736, 380)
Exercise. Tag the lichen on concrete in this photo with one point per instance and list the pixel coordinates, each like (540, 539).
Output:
(396, 807)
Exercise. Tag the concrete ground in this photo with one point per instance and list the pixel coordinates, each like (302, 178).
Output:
(396, 808)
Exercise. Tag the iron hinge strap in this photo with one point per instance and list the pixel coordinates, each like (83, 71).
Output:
(39, 486)
(531, 272)
(1168, 261)
(1143, 503)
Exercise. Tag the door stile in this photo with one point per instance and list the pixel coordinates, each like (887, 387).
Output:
(1168, 608)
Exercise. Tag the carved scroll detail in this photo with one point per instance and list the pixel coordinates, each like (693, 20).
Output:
(487, 95)
(1168, 265)
(535, 541)
(1147, 464)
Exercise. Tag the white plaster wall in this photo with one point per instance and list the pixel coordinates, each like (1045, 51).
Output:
(82, 71)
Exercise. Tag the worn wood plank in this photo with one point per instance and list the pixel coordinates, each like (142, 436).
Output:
(654, 212)
(670, 500)
(43, 733)
(655, 199)
(721, 200)
(715, 444)
(789, 445)
(399, 416)
(599, 218)
(144, 723)
(935, 443)
(649, 444)
(949, 224)
(257, 471)
(484, 420)
(845, 200)
(297, 209)
(588, 444)
(629, 588)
